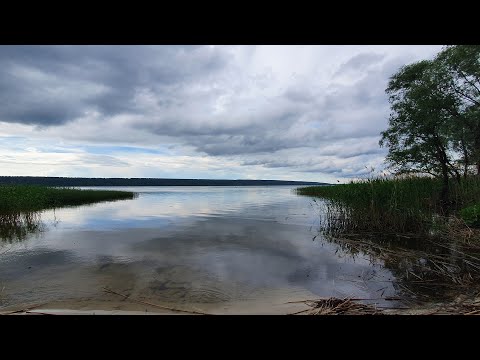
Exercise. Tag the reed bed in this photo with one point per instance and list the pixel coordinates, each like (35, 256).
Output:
(402, 223)
(28, 198)
(20, 206)
(407, 205)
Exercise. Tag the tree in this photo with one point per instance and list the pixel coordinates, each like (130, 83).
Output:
(460, 77)
(419, 136)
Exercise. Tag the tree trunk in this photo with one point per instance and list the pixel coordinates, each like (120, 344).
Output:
(442, 158)
(444, 195)
(466, 160)
(477, 151)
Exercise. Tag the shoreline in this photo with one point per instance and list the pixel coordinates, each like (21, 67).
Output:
(95, 307)
(461, 305)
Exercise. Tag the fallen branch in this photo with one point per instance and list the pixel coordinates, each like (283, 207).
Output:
(154, 305)
(38, 313)
(22, 310)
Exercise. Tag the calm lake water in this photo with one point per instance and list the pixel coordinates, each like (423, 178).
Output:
(215, 249)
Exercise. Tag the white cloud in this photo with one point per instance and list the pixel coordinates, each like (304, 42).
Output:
(277, 112)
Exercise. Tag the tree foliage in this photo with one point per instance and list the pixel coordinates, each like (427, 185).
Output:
(434, 124)
(461, 78)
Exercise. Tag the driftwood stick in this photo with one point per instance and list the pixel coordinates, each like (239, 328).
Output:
(22, 310)
(39, 313)
(299, 312)
(388, 298)
(154, 305)
(307, 300)
(472, 312)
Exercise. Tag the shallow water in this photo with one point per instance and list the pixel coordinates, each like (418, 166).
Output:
(205, 248)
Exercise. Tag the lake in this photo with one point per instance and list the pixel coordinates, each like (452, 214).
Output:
(241, 250)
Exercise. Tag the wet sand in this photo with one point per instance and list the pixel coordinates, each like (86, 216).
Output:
(126, 307)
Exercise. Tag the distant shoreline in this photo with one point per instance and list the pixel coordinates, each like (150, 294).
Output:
(74, 181)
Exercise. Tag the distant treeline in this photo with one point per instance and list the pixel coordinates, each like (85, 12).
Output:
(67, 181)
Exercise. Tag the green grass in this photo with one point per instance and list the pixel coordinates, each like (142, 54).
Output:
(27, 198)
(471, 215)
(401, 205)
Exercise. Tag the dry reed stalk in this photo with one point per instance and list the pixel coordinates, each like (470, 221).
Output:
(336, 306)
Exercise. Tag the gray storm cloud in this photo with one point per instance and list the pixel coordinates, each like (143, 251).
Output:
(220, 101)
(51, 85)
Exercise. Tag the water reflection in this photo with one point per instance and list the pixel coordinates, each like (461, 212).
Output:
(199, 246)
(423, 268)
(18, 226)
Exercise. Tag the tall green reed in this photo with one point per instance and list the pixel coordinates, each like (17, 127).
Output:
(390, 205)
(14, 198)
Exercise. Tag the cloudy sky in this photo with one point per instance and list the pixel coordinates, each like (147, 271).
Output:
(222, 112)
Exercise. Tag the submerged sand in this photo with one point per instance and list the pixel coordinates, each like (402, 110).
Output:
(263, 306)
(460, 306)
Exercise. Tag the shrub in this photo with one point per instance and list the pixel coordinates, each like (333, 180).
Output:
(471, 215)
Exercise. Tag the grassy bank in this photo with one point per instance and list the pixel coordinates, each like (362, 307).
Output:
(27, 198)
(406, 205)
